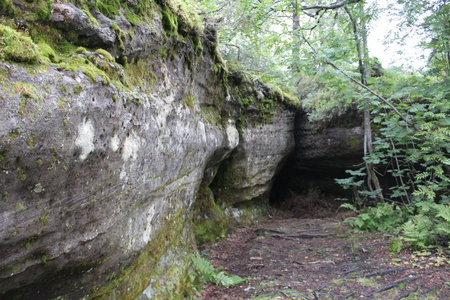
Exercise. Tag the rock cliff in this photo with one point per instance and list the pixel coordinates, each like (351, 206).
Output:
(110, 148)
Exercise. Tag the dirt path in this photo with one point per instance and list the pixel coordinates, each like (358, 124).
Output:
(320, 259)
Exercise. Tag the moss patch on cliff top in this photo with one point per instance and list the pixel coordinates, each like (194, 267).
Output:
(256, 86)
(17, 47)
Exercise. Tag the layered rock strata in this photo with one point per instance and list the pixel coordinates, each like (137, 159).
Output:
(101, 164)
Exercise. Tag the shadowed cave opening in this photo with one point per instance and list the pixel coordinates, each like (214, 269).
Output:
(308, 190)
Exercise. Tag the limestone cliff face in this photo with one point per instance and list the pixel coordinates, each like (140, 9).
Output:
(320, 156)
(100, 167)
(266, 141)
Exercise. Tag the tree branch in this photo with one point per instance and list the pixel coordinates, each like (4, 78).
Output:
(364, 87)
(212, 11)
(330, 6)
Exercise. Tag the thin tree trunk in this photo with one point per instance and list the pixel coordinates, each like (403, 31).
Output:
(295, 36)
(373, 183)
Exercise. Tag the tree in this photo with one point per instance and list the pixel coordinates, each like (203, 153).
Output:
(432, 17)
(321, 47)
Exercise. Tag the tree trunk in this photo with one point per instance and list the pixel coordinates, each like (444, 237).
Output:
(295, 36)
(373, 183)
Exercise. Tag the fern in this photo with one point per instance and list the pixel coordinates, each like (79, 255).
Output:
(418, 231)
(203, 268)
(349, 206)
(222, 278)
(206, 272)
(444, 212)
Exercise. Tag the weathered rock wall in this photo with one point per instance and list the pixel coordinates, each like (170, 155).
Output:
(100, 167)
(266, 140)
(320, 156)
(237, 190)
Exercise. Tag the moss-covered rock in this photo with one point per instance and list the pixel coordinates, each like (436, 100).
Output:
(17, 47)
(210, 221)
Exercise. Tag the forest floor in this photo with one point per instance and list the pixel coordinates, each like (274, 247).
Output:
(284, 257)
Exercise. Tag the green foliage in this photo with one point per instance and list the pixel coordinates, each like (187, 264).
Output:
(383, 217)
(430, 226)
(206, 272)
(7, 8)
(431, 18)
(396, 246)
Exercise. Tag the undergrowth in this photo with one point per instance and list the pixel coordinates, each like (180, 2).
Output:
(205, 273)
(414, 157)
(420, 225)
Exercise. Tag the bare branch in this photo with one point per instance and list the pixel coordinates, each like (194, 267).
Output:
(213, 11)
(330, 6)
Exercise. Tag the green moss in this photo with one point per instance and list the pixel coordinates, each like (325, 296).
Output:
(132, 17)
(162, 51)
(30, 141)
(169, 21)
(44, 259)
(120, 36)
(47, 52)
(20, 207)
(92, 20)
(185, 20)
(106, 55)
(188, 64)
(136, 101)
(17, 47)
(108, 9)
(14, 133)
(75, 63)
(22, 176)
(81, 50)
(146, 268)
(189, 100)
(211, 115)
(139, 74)
(210, 221)
(197, 42)
(43, 10)
(3, 153)
(76, 89)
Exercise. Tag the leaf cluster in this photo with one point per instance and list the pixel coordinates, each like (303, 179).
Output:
(415, 157)
(206, 272)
